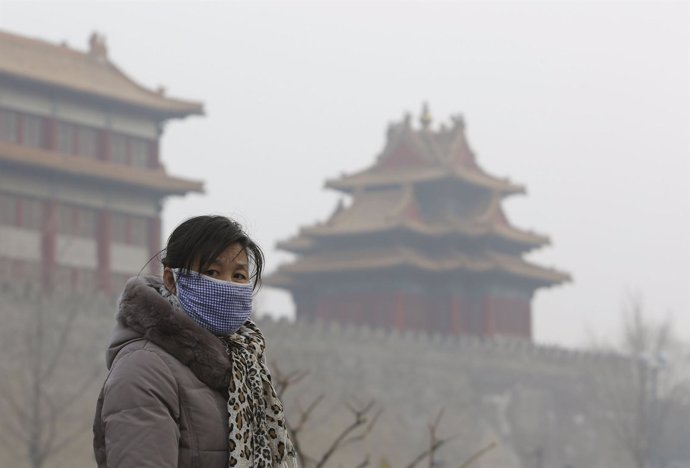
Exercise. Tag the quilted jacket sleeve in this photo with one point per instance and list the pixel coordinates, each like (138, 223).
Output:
(140, 413)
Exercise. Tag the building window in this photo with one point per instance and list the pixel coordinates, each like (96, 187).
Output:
(77, 221)
(129, 229)
(131, 151)
(140, 153)
(8, 126)
(33, 131)
(138, 232)
(87, 223)
(118, 228)
(65, 218)
(119, 153)
(87, 142)
(65, 137)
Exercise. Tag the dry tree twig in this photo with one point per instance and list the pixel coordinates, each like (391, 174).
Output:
(362, 425)
(364, 463)
(434, 442)
(345, 438)
(478, 455)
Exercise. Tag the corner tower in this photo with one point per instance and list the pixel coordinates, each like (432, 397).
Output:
(423, 244)
(81, 177)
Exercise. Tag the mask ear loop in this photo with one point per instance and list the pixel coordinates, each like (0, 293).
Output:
(176, 274)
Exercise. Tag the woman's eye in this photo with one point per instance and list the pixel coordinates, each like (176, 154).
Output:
(240, 276)
(211, 273)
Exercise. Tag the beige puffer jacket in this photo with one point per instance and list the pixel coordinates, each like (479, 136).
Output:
(163, 403)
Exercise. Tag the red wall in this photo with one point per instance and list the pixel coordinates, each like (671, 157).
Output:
(483, 315)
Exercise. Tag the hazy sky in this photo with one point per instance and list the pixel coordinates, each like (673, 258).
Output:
(587, 104)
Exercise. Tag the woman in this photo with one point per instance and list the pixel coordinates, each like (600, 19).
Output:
(188, 384)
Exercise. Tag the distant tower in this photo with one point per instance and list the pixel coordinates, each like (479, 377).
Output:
(423, 245)
(81, 180)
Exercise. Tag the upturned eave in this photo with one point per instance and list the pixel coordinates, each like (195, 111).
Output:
(29, 61)
(524, 238)
(154, 180)
(369, 262)
(374, 178)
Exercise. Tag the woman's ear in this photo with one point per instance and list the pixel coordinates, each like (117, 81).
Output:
(169, 280)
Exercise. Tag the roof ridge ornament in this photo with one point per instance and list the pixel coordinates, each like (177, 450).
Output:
(425, 118)
(458, 122)
(407, 120)
(97, 47)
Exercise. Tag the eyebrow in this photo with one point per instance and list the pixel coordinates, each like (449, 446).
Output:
(216, 261)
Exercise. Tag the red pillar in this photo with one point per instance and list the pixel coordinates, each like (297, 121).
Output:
(103, 241)
(456, 315)
(154, 157)
(18, 266)
(49, 243)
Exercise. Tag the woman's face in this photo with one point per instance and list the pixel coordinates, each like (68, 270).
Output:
(231, 265)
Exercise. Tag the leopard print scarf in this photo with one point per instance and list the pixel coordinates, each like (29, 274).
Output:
(258, 437)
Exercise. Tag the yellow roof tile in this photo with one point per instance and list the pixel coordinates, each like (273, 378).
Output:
(89, 73)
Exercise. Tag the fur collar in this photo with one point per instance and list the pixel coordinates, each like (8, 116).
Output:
(143, 310)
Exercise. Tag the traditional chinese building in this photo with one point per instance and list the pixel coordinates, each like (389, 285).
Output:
(423, 244)
(81, 178)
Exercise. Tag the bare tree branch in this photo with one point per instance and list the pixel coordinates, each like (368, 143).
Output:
(36, 402)
(360, 415)
(364, 463)
(478, 455)
(438, 444)
(639, 396)
(62, 342)
(19, 413)
(283, 382)
(434, 442)
(78, 391)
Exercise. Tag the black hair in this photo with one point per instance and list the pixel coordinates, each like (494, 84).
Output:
(202, 238)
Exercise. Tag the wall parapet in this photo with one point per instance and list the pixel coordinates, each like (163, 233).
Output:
(498, 346)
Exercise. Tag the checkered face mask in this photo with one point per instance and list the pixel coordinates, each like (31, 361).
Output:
(221, 307)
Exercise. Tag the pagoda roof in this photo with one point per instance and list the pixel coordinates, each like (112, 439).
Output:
(381, 177)
(86, 73)
(385, 211)
(423, 155)
(398, 256)
(428, 183)
(155, 180)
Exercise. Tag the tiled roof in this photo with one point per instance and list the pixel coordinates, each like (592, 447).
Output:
(422, 155)
(147, 179)
(89, 73)
(427, 183)
(378, 176)
(389, 210)
(396, 256)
